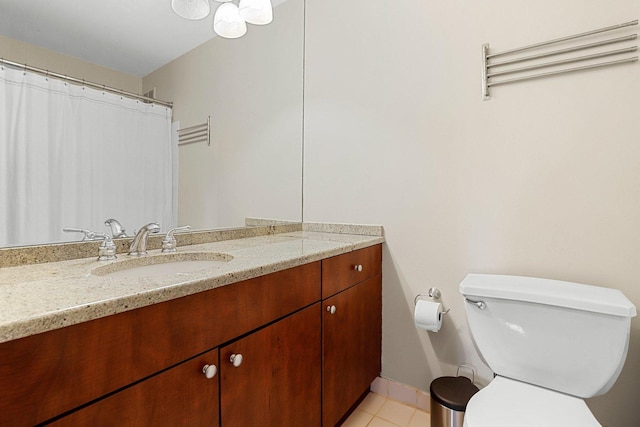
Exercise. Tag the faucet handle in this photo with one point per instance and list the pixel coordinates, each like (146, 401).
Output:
(169, 242)
(107, 249)
(88, 234)
(183, 228)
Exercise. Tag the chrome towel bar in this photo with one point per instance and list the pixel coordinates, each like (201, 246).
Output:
(563, 39)
(197, 133)
(488, 64)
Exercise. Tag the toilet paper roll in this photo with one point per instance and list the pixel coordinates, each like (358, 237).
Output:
(428, 315)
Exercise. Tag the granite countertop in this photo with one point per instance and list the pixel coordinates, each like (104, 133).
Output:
(42, 297)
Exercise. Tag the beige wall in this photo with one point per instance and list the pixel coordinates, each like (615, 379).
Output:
(18, 51)
(542, 180)
(252, 89)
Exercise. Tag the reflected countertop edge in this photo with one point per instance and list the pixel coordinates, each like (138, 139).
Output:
(41, 297)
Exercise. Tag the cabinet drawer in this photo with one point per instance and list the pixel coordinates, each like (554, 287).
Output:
(343, 271)
(44, 375)
(180, 396)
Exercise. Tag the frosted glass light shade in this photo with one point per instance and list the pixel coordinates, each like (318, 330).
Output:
(258, 12)
(191, 9)
(228, 23)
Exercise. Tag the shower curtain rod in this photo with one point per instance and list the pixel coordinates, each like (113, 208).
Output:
(83, 82)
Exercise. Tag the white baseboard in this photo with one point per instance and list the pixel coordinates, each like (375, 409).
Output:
(401, 392)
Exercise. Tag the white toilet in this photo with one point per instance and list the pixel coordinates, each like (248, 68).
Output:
(550, 344)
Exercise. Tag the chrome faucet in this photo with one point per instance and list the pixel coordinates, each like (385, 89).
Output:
(169, 242)
(116, 228)
(139, 244)
(107, 249)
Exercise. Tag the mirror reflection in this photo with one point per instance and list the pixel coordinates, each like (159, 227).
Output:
(251, 88)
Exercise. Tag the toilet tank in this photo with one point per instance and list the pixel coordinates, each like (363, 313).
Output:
(563, 336)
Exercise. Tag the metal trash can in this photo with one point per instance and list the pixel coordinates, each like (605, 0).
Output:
(449, 398)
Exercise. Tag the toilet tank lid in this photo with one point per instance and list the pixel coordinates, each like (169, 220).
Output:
(551, 292)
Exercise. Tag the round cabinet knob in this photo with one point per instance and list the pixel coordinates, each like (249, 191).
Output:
(358, 267)
(236, 359)
(209, 371)
(331, 309)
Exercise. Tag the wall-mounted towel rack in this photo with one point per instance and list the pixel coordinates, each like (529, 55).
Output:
(492, 68)
(197, 133)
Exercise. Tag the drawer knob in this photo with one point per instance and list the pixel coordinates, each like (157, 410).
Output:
(357, 267)
(209, 371)
(236, 359)
(331, 309)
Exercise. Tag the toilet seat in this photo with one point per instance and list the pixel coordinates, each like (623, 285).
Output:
(510, 403)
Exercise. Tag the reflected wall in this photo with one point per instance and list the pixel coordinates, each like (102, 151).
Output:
(252, 89)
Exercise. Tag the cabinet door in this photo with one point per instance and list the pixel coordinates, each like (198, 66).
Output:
(278, 381)
(351, 347)
(180, 396)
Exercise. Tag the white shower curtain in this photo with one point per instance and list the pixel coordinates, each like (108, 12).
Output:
(72, 156)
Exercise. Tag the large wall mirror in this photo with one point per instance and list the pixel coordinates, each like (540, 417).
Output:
(251, 88)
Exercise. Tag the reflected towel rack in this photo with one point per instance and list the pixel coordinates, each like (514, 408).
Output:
(197, 133)
(504, 67)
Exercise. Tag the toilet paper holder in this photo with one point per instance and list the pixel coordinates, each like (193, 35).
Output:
(433, 294)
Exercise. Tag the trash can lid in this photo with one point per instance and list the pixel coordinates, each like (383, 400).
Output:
(453, 392)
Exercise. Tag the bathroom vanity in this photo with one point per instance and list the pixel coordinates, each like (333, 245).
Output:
(288, 332)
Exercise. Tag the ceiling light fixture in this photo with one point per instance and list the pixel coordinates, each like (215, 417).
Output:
(230, 20)
(191, 9)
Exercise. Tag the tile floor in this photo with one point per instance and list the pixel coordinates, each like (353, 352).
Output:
(380, 411)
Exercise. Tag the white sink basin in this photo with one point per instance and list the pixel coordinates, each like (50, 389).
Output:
(162, 265)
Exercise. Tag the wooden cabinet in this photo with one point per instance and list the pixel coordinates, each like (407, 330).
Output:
(343, 271)
(301, 365)
(180, 396)
(45, 375)
(278, 381)
(351, 331)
